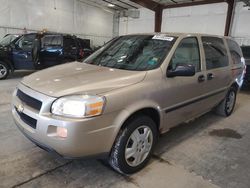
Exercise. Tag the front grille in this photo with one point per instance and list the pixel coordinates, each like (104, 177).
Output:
(27, 119)
(28, 100)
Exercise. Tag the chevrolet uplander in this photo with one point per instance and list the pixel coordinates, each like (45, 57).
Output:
(118, 101)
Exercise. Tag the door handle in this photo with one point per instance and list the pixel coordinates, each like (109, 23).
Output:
(201, 78)
(24, 55)
(210, 76)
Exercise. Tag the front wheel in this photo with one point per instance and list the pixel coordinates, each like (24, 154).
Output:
(4, 70)
(134, 145)
(226, 107)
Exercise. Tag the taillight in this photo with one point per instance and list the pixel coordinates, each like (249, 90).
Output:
(81, 53)
(244, 63)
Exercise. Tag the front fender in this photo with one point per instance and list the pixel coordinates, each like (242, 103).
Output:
(132, 109)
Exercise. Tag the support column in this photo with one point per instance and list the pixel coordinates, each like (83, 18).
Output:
(116, 23)
(158, 19)
(230, 9)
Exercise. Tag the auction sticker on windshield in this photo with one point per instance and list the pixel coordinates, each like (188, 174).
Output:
(163, 37)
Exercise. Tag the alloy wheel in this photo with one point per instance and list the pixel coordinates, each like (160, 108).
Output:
(230, 101)
(3, 71)
(138, 146)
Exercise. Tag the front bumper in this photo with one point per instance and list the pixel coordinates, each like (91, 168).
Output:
(85, 137)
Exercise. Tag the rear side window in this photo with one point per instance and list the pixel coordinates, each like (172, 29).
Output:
(235, 51)
(215, 52)
(52, 41)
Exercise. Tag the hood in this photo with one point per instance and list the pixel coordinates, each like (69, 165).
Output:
(79, 78)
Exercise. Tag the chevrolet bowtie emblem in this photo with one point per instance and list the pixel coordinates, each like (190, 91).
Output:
(20, 108)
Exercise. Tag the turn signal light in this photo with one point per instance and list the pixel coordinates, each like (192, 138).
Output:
(62, 132)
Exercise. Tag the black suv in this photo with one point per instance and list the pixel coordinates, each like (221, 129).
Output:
(37, 51)
(246, 54)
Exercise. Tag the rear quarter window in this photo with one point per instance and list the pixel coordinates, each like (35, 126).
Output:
(69, 42)
(84, 43)
(235, 51)
(215, 52)
(246, 51)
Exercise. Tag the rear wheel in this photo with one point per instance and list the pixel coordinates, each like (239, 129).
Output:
(226, 107)
(4, 70)
(134, 145)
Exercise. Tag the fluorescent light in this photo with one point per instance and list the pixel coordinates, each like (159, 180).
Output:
(111, 5)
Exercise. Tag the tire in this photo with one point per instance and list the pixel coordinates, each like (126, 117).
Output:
(226, 107)
(4, 70)
(126, 141)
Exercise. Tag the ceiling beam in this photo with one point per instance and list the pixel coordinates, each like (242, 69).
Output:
(193, 3)
(149, 4)
(173, 1)
(127, 4)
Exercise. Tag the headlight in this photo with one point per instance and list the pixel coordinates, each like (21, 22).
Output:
(78, 106)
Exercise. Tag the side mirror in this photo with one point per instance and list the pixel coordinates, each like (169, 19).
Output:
(25, 43)
(182, 70)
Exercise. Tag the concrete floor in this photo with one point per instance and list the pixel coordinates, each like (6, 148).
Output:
(211, 151)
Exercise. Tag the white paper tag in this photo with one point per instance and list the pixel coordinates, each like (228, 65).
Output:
(163, 37)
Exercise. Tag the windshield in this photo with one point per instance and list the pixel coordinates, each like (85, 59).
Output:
(7, 40)
(133, 52)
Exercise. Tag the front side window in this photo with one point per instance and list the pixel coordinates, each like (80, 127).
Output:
(187, 52)
(134, 52)
(215, 52)
(235, 51)
(26, 42)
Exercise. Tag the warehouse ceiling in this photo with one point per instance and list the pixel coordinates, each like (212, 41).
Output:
(117, 4)
(121, 5)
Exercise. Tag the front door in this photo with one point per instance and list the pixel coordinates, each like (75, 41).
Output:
(182, 101)
(22, 53)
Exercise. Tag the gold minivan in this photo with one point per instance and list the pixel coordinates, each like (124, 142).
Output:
(117, 102)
